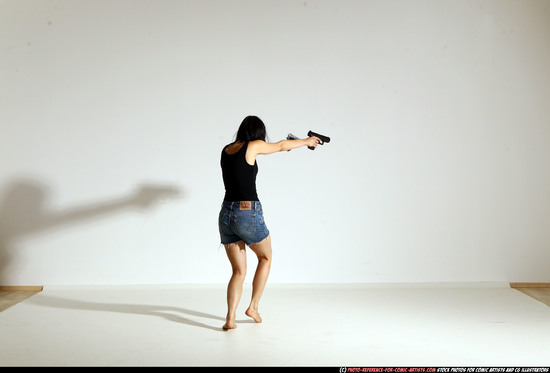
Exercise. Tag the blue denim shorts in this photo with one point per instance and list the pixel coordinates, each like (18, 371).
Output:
(238, 224)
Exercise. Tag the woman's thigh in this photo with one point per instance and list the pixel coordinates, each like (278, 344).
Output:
(236, 253)
(263, 249)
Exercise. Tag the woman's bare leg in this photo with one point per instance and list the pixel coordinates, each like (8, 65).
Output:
(263, 252)
(236, 252)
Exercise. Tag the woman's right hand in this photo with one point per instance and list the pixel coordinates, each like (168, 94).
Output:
(313, 141)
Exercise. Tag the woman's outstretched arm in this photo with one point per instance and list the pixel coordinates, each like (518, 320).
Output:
(261, 147)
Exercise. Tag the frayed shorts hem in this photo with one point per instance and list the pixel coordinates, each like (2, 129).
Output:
(246, 243)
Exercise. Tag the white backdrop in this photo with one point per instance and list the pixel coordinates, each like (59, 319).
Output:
(439, 168)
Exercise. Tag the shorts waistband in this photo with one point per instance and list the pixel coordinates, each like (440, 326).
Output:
(236, 205)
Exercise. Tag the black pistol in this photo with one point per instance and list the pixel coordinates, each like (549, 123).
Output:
(323, 138)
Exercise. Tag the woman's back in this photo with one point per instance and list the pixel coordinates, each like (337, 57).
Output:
(239, 177)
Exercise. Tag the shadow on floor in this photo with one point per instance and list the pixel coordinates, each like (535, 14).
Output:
(166, 312)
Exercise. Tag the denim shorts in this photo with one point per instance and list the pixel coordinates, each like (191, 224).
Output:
(247, 225)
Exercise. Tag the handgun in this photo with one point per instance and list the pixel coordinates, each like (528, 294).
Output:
(323, 138)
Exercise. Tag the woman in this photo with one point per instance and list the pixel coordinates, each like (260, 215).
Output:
(241, 220)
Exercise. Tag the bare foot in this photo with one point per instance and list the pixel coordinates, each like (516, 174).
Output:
(229, 325)
(254, 314)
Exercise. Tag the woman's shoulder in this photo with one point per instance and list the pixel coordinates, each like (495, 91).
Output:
(256, 143)
(234, 147)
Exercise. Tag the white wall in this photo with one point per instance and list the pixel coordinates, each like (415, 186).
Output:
(439, 168)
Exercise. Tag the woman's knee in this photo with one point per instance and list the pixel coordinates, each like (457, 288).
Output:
(239, 272)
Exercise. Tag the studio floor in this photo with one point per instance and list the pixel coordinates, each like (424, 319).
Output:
(304, 325)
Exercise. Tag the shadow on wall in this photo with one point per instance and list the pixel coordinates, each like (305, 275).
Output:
(24, 212)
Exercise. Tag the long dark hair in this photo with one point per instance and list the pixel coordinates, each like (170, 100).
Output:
(252, 128)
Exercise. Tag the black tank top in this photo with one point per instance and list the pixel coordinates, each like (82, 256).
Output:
(239, 177)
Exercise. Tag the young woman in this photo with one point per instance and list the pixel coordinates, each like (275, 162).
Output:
(241, 220)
